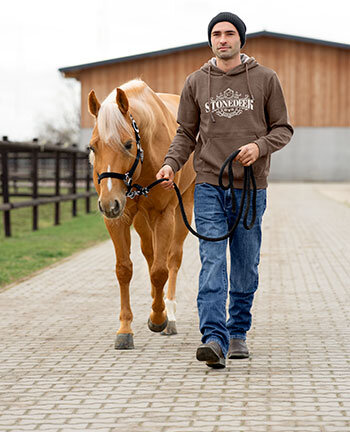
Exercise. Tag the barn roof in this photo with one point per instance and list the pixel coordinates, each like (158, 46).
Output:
(263, 33)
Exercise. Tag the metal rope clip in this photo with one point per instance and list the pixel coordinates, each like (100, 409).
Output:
(144, 191)
(131, 194)
(127, 180)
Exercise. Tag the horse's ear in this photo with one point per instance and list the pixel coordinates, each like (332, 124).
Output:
(122, 101)
(93, 103)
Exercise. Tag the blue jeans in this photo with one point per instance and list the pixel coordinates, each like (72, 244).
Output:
(214, 217)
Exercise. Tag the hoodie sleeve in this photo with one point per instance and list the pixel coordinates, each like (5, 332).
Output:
(184, 141)
(280, 130)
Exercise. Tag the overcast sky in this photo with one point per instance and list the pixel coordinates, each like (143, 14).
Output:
(39, 36)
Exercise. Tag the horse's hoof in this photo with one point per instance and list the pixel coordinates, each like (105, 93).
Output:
(170, 329)
(157, 328)
(124, 341)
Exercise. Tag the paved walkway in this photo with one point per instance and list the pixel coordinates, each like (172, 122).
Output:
(59, 371)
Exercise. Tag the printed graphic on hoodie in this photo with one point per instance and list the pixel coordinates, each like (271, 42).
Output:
(229, 103)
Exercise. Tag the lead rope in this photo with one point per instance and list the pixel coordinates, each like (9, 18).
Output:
(248, 180)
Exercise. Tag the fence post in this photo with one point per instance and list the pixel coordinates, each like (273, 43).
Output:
(35, 187)
(57, 187)
(5, 191)
(87, 202)
(15, 171)
(74, 182)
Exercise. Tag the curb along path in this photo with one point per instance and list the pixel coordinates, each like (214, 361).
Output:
(59, 371)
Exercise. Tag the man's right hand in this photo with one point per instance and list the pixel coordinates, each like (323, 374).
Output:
(166, 172)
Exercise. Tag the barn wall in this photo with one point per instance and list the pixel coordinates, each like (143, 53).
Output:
(315, 79)
(316, 83)
(165, 74)
(314, 154)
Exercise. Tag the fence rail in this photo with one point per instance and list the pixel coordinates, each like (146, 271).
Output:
(31, 165)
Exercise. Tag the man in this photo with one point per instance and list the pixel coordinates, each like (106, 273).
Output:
(231, 103)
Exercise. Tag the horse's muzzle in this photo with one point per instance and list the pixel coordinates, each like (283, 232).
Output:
(111, 210)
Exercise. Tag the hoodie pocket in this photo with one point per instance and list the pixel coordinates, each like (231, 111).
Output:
(216, 150)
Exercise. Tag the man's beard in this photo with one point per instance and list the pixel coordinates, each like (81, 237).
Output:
(229, 54)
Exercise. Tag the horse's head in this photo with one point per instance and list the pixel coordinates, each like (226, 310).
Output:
(113, 149)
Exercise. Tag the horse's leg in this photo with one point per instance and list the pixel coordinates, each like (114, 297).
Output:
(175, 258)
(144, 231)
(120, 234)
(163, 229)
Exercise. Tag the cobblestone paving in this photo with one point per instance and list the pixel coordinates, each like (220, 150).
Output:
(59, 371)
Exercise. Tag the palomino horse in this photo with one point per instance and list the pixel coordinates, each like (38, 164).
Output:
(156, 217)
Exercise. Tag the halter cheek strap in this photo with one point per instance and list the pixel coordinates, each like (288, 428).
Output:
(127, 177)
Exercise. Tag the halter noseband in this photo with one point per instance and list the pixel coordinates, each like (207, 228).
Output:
(127, 177)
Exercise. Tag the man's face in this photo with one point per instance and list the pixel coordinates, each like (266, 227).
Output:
(225, 40)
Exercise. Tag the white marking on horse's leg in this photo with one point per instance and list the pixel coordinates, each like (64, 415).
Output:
(109, 181)
(170, 309)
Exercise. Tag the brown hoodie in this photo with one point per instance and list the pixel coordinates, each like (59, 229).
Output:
(219, 112)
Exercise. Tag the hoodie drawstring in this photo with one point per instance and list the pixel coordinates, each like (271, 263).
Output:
(209, 92)
(248, 83)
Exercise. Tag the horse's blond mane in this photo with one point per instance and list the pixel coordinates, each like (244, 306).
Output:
(110, 121)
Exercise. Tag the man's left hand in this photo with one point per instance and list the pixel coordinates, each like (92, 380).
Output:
(248, 154)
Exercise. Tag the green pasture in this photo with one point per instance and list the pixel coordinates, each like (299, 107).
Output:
(28, 251)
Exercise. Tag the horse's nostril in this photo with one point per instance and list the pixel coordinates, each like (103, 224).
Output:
(111, 209)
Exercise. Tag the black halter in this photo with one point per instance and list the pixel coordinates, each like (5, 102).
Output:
(127, 177)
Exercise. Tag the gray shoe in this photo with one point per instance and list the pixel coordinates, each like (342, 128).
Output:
(238, 349)
(212, 354)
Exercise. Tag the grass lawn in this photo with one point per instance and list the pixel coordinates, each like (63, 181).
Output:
(28, 251)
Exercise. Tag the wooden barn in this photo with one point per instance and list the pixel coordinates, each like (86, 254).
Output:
(315, 76)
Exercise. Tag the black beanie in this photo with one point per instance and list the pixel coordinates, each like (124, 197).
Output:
(233, 19)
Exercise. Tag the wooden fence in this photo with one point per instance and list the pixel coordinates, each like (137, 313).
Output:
(30, 165)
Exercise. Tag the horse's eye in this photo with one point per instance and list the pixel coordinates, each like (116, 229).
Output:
(128, 145)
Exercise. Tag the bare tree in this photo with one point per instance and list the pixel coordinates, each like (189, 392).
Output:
(64, 127)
